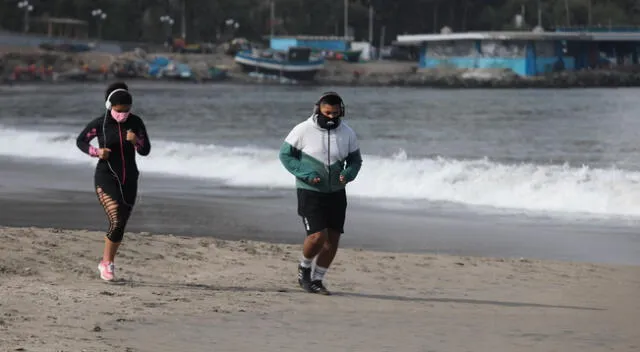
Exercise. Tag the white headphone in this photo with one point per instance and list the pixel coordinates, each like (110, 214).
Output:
(107, 104)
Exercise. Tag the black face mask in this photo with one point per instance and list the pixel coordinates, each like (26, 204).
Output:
(327, 123)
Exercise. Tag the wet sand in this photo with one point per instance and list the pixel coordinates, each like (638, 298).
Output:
(60, 196)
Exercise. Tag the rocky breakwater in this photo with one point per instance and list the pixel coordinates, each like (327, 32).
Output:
(407, 74)
(33, 64)
(36, 64)
(188, 67)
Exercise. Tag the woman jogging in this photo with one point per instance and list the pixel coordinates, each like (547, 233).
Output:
(120, 135)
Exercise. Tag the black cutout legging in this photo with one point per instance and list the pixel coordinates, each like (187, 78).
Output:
(117, 201)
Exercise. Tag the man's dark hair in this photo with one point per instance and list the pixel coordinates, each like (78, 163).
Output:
(332, 99)
(114, 86)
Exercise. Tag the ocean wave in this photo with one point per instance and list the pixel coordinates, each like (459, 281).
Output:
(525, 186)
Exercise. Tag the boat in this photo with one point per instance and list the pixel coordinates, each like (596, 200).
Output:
(296, 63)
(163, 67)
(217, 73)
(345, 55)
(177, 71)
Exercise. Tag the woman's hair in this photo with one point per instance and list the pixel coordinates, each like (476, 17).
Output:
(114, 86)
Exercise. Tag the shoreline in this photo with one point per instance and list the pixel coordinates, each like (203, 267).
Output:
(62, 198)
(385, 73)
(392, 81)
(191, 293)
(590, 80)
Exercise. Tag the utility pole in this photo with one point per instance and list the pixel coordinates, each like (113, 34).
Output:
(27, 8)
(272, 18)
(382, 33)
(184, 20)
(346, 19)
(370, 24)
(539, 14)
(100, 17)
(435, 17)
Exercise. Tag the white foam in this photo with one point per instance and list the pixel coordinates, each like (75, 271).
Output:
(477, 182)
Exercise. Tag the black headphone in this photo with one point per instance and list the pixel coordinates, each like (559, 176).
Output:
(316, 108)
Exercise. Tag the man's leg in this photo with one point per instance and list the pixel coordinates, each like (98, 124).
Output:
(315, 226)
(329, 250)
(336, 212)
(313, 245)
(324, 260)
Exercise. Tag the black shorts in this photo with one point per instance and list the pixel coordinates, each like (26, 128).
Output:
(123, 194)
(320, 211)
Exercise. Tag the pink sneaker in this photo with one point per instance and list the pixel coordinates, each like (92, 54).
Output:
(107, 270)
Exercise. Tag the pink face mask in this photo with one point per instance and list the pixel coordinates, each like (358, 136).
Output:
(120, 116)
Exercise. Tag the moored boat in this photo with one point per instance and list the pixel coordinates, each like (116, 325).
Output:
(296, 63)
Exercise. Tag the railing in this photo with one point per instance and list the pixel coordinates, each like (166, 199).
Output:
(599, 28)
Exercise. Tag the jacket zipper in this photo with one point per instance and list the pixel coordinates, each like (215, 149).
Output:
(124, 173)
(329, 156)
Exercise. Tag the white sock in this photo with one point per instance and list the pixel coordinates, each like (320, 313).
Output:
(305, 262)
(318, 273)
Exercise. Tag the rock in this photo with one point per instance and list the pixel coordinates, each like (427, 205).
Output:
(485, 78)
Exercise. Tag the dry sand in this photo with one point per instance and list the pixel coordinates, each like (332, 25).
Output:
(203, 294)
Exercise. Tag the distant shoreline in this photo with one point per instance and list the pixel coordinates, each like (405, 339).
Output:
(336, 73)
(598, 80)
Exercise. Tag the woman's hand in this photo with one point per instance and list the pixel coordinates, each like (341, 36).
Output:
(131, 137)
(103, 153)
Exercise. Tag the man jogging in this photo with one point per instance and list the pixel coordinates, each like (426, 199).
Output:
(323, 154)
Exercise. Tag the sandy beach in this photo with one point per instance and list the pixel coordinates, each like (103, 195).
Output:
(500, 255)
(201, 294)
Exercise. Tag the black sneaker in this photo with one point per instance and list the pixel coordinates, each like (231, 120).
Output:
(304, 277)
(316, 286)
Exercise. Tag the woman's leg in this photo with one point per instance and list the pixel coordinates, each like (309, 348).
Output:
(113, 199)
(118, 215)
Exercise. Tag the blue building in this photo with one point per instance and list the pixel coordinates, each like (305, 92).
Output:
(526, 53)
(319, 43)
